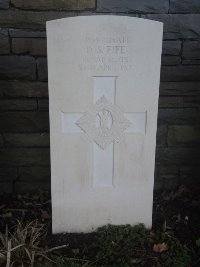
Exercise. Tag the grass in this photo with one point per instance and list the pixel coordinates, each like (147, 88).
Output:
(20, 246)
(121, 246)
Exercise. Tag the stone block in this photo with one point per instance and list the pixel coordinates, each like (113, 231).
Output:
(43, 104)
(1, 141)
(191, 101)
(8, 174)
(42, 69)
(180, 73)
(1, 92)
(183, 135)
(144, 6)
(34, 174)
(169, 170)
(55, 4)
(20, 33)
(171, 60)
(17, 67)
(24, 89)
(189, 175)
(4, 4)
(158, 185)
(6, 187)
(180, 88)
(170, 102)
(190, 61)
(171, 48)
(184, 6)
(34, 20)
(161, 137)
(170, 182)
(192, 170)
(156, 172)
(178, 26)
(24, 157)
(26, 139)
(19, 122)
(178, 116)
(18, 104)
(32, 46)
(31, 187)
(191, 50)
(4, 42)
(177, 155)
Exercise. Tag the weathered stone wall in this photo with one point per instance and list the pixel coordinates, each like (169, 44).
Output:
(24, 121)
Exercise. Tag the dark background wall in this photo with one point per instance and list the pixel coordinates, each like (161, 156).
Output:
(24, 121)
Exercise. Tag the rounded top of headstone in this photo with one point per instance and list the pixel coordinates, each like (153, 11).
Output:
(105, 18)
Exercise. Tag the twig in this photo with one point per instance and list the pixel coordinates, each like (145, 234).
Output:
(32, 258)
(74, 259)
(56, 248)
(8, 253)
(21, 245)
(22, 210)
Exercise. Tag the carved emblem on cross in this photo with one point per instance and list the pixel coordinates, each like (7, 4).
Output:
(103, 122)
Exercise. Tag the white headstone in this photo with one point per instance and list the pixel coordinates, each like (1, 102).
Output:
(103, 92)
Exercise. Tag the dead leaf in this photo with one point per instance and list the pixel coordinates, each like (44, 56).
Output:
(161, 247)
(135, 261)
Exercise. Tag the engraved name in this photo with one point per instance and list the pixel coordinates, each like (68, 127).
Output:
(109, 53)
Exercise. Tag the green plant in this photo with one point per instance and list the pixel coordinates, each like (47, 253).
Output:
(135, 246)
(122, 244)
(176, 256)
(198, 242)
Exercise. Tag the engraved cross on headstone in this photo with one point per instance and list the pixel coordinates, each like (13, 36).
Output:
(105, 124)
